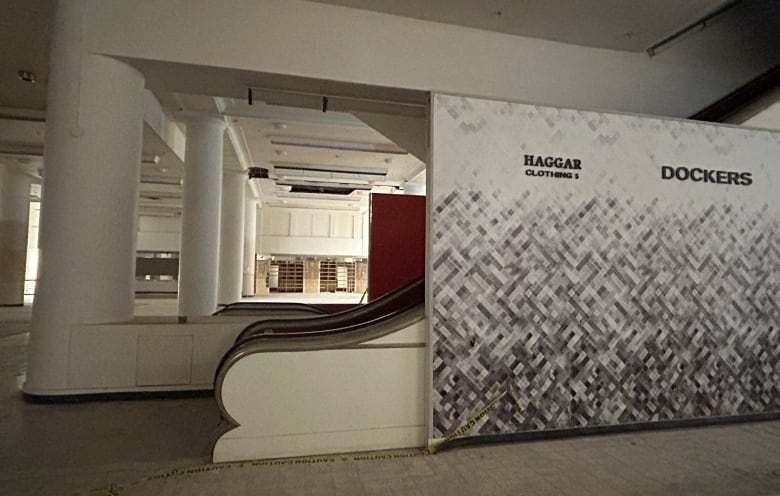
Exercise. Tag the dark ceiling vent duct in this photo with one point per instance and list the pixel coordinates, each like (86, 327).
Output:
(258, 173)
(322, 190)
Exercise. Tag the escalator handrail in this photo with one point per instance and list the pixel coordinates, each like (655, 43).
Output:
(413, 292)
(252, 345)
(405, 298)
(271, 305)
(318, 331)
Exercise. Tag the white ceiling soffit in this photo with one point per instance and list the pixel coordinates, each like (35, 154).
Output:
(325, 148)
(307, 147)
(170, 81)
(630, 25)
(288, 125)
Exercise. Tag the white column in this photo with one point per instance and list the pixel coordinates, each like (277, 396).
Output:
(92, 166)
(250, 241)
(231, 241)
(199, 253)
(14, 220)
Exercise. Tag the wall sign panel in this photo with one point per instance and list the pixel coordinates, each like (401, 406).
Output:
(608, 269)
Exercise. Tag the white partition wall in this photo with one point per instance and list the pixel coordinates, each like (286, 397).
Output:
(159, 233)
(604, 269)
(303, 231)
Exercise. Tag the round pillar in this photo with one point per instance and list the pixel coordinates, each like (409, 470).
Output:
(14, 223)
(250, 244)
(92, 167)
(199, 252)
(231, 237)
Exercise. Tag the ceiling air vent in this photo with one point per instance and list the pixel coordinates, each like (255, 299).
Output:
(322, 190)
(258, 173)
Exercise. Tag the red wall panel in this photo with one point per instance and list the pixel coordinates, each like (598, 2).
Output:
(396, 252)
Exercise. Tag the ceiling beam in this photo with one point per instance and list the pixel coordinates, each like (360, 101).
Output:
(730, 104)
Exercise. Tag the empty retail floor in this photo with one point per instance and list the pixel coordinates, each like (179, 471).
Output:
(103, 448)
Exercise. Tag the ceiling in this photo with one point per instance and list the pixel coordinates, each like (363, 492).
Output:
(315, 151)
(25, 28)
(328, 162)
(285, 131)
(631, 25)
(25, 35)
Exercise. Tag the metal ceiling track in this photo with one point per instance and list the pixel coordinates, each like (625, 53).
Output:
(701, 24)
(326, 99)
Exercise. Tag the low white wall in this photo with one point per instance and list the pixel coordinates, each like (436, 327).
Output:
(148, 356)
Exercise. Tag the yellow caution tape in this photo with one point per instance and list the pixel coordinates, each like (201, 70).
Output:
(113, 489)
(470, 423)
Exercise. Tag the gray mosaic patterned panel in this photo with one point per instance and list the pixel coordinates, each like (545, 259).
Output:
(616, 298)
(602, 312)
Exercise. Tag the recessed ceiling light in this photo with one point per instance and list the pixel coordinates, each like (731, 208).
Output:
(26, 76)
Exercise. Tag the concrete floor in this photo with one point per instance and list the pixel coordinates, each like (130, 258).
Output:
(126, 447)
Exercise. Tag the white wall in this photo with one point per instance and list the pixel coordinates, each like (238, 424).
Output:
(302, 231)
(158, 233)
(341, 44)
(162, 125)
(768, 118)
(368, 397)
(280, 231)
(148, 354)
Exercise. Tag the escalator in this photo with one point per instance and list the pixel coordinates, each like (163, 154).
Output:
(356, 324)
(319, 373)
